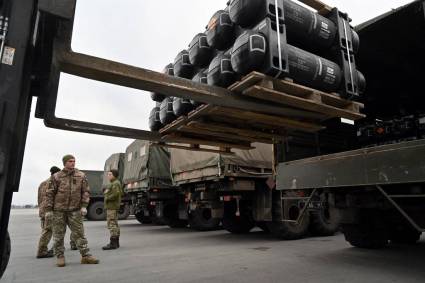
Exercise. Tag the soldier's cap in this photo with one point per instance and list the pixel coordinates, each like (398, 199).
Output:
(54, 169)
(67, 157)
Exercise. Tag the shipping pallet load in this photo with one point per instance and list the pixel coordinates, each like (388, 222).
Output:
(277, 53)
(267, 65)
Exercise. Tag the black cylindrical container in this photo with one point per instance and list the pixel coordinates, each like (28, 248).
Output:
(250, 49)
(200, 77)
(249, 12)
(305, 28)
(361, 82)
(220, 31)
(309, 30)
(166, 114)
(168, 70)
(311, 70)
(200, 53)
(182, 66)
(220, 71)
(181, 106)
(154, 121)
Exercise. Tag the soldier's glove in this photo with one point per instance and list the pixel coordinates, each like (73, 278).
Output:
(83, 211)
(48, 214)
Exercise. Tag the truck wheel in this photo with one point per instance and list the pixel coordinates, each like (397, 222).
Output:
(201, 219)
(237, 224)
(96, 211)
(124, 212)
(365, 235)
(325, 222)
(287, 230)
(157, 220)
(171, 217)
(263, 226)
(6, 255)
(405, 236)
(140, 216)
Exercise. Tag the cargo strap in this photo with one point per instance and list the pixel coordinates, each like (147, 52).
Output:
(279, 44)
(349, 56)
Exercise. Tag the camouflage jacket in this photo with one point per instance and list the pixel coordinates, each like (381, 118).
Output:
(68, 191)
(42, 198)
(113, 194)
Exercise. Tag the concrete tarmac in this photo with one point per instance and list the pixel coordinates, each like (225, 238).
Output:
(151, 253)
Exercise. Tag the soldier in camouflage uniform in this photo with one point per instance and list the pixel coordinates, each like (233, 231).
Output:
(112, 196)
(67, 200)
(46, 222)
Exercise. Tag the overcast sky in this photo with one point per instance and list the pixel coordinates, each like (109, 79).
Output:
(147, 34)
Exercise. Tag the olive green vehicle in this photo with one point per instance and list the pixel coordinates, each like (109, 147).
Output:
(237, 190)
(97, 181)
(147, 181)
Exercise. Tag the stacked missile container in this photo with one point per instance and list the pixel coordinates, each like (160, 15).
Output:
(279, 38)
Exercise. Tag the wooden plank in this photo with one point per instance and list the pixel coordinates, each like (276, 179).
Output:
(258, 118)
(247, 81)
(178, 138)
(222, 128)
(197, 149)
(322, 8)
(292, 88)
(206, 132)
(174, 125)
(299, 102)
(183, 120)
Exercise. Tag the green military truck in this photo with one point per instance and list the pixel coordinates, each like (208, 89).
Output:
(377, 187)
(237, 190)
(97, 181)
(147, 181)
(211, 186)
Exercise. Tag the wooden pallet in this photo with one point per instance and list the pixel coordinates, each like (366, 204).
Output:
(226, 127)
(287, 93)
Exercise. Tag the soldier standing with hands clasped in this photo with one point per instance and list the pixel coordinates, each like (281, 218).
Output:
(46, 222)
(113, 194)
(67, 200)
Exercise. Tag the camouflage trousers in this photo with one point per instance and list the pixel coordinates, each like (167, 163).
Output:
(112, 222)
(47, 233)
(74, 220)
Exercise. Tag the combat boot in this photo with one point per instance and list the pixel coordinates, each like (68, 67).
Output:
(73, 246)
(45, 254)
(112, 244)
(89, 259)
(118, 241)
(60, 261)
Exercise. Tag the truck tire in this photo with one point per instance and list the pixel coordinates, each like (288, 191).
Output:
(324, 222)
(6, 255)
(157, 220)
(142, 218)
(263, 226)
(237, 224)
(201, 219)
(96, 211)
(405, 236)
(365, 235)
(171, 217)
(287, 230)
(124, 212)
